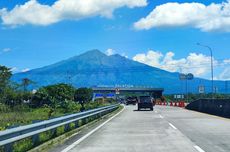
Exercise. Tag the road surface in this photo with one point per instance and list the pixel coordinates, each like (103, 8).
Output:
(162, 130)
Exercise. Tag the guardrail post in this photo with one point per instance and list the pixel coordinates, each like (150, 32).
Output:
(67, 127)
(97, 116)
(76, 124)
(54, 132)
(94, 117)
(8, 147)
(83, 121)
(35, 139)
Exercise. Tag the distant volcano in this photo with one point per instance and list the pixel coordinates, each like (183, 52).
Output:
(94, 68)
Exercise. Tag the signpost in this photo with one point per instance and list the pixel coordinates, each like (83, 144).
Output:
(178, 96)
(215, 89)
(182, 76)
(117, 91)
(186, 77)
(201, 89)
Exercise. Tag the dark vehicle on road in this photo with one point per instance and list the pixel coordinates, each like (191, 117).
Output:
(145, 102)
(131, 100)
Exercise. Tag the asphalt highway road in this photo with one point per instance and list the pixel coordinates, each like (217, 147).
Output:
(166, 129)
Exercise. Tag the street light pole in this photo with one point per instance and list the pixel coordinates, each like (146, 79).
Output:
(211, 65)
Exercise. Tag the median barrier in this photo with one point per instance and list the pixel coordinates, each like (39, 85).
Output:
(182, 104)
(219, 107)
(175, 104)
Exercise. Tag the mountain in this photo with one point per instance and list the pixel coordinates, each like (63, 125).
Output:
(94, 68)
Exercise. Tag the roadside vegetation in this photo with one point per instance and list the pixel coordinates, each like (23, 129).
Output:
(20, 106)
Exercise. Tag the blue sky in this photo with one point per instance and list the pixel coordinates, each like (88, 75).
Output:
(29, 41)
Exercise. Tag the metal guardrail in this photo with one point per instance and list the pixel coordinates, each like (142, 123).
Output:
(10, 136)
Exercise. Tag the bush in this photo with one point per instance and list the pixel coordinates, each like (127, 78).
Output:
(4, 108)
(45, 136)
(83, 95)
(60, 130)
(68, 106)
(23, 145)
(53, 95)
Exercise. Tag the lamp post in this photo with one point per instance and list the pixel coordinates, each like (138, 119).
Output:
(211, 63)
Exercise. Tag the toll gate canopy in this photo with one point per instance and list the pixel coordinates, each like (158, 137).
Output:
(154, 92)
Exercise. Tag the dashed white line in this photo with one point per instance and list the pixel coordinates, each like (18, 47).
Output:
(156, 112)
(172, 126)
(161, 116)
(199, 149)
(88, 134)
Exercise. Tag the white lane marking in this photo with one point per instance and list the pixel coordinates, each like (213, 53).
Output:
(156, 112)
(172, 126)
(199, 149)
(161, 116)
(90, 133)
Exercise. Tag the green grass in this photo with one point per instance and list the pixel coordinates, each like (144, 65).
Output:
(22, 117)
(60, 130)
(45, 136)
(17, 117)
(23, 145)
(26, 116)
(1, 149)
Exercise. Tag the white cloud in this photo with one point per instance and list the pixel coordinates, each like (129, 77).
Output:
(25, 70)
(124, 55)
(14, 69)
(214, 17)
(225, 74)
(198, 64)
(32, 12)
(6, 50)
(110, 52)
(152, 58)
(226, 61)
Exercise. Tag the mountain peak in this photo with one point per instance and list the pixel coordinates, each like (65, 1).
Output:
(93, 52)
(96, 68)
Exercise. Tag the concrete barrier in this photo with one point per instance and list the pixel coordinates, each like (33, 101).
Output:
(219, 107)
(181, 104)
(175, 104)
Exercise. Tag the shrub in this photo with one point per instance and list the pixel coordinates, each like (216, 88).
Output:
(23, 145)
(53, 95)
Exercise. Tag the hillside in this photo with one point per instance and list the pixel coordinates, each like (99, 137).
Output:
(94, 68)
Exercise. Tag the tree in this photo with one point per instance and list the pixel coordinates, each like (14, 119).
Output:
(40, 98)
(54, 95)
(5, 75)
(83, 95)
(25, 83)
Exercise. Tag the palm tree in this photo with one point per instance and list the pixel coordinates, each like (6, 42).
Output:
(25, 83)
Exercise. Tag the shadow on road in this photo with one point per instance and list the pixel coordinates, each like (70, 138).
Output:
(142, 110)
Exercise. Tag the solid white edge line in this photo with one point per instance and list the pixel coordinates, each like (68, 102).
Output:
(198, 149)
(90, 133)
(172, 126)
